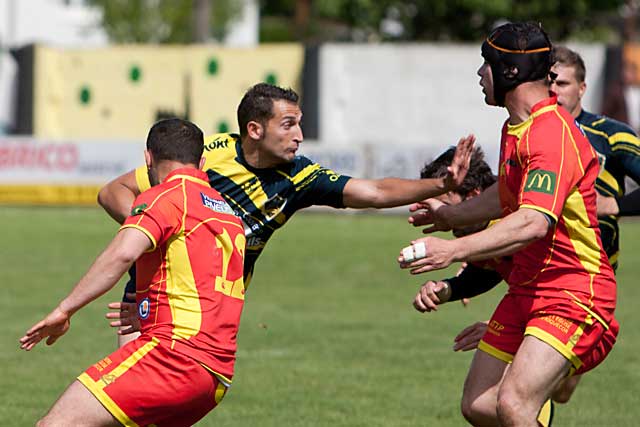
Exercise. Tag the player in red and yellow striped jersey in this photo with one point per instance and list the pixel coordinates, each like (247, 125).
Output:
(562, 289)
(189, 247)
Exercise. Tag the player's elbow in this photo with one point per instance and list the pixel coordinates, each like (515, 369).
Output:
(536, 224)
(365, 198)
(104, 195)
(126, 256)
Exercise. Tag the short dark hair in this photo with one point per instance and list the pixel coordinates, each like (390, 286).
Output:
(176, 139)
(570, 58)
(478, 177)
(257, 104)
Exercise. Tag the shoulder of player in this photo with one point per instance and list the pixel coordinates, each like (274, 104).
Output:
(298, 164)
(218, 142)
(157, 196)
(550, 121)
(606, 124)
(162, 190)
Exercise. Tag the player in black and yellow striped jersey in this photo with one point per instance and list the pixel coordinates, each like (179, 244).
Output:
(616, 144)
(265, 182)
(264, 198)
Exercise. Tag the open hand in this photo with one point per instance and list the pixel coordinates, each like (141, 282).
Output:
(459, 167)
(125, 315)
(438, 254)
(431, 212)
(51, 327)
(469, 337)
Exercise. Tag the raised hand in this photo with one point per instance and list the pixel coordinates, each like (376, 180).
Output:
(459, 167)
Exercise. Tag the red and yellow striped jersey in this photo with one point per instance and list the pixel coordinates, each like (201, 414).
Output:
(547, 164)
(190, 289)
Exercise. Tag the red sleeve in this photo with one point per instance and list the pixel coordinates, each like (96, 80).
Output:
(550, 166)
(157, 216)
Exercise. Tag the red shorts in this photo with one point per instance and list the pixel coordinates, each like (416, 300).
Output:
(577, 334)
(145, 382)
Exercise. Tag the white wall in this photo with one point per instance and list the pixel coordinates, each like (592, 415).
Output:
(416, 94)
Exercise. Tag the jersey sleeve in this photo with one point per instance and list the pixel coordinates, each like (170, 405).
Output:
(319, 185)
(626, 150)
(157, 217)
(550, 165)
(473, 280)
(142, 179)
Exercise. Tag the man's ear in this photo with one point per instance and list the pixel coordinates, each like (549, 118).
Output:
(582, 89)
(255, 130)
(511, 72)
(202, 162)
(148, 158)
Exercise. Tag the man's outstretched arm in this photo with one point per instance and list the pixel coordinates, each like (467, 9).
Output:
(390, 192)
(437, 216)
(103, 274)
(117, 196)
(511, 234)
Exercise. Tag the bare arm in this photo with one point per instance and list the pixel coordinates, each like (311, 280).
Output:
(509, 235)
(390, 192)
(441, 217)
(117, 196)
(105, 272)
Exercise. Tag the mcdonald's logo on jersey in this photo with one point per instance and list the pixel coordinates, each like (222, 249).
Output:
(541, 181)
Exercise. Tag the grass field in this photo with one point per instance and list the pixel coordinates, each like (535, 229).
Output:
(328, 337)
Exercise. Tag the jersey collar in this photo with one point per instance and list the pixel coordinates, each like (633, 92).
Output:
(191, 174)
(541, 107)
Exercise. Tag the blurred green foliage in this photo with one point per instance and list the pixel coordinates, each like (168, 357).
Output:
(161, 21)
(170, 21)
(464, 20)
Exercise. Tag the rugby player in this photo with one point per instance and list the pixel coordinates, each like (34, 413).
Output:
(265, 182)
(618, 150)
(190, 299)
(553, 322)
(615, 143)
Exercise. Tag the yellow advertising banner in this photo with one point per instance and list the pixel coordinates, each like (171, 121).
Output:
(120, 91)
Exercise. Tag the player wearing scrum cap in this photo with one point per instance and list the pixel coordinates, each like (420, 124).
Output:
(561, 297)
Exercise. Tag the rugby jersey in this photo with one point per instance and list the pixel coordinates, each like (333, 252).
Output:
(618, 151)
(189, 286)
(547, 164)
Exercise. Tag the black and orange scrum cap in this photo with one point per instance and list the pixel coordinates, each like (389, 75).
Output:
(517, 52)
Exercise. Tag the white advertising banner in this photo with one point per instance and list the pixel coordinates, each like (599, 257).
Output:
(348, 160)
(62, 172)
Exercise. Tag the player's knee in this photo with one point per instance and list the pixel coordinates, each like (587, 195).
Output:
(509, 407)
(46, 422)
(472, 410)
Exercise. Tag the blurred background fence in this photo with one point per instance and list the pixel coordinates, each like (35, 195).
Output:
(385, 85)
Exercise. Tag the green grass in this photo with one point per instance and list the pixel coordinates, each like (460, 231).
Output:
(328, 337)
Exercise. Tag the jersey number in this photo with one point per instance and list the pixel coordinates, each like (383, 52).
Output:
(230, 286)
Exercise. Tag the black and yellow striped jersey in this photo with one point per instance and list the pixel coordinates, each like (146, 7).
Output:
(263, 198)
(618, 150)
